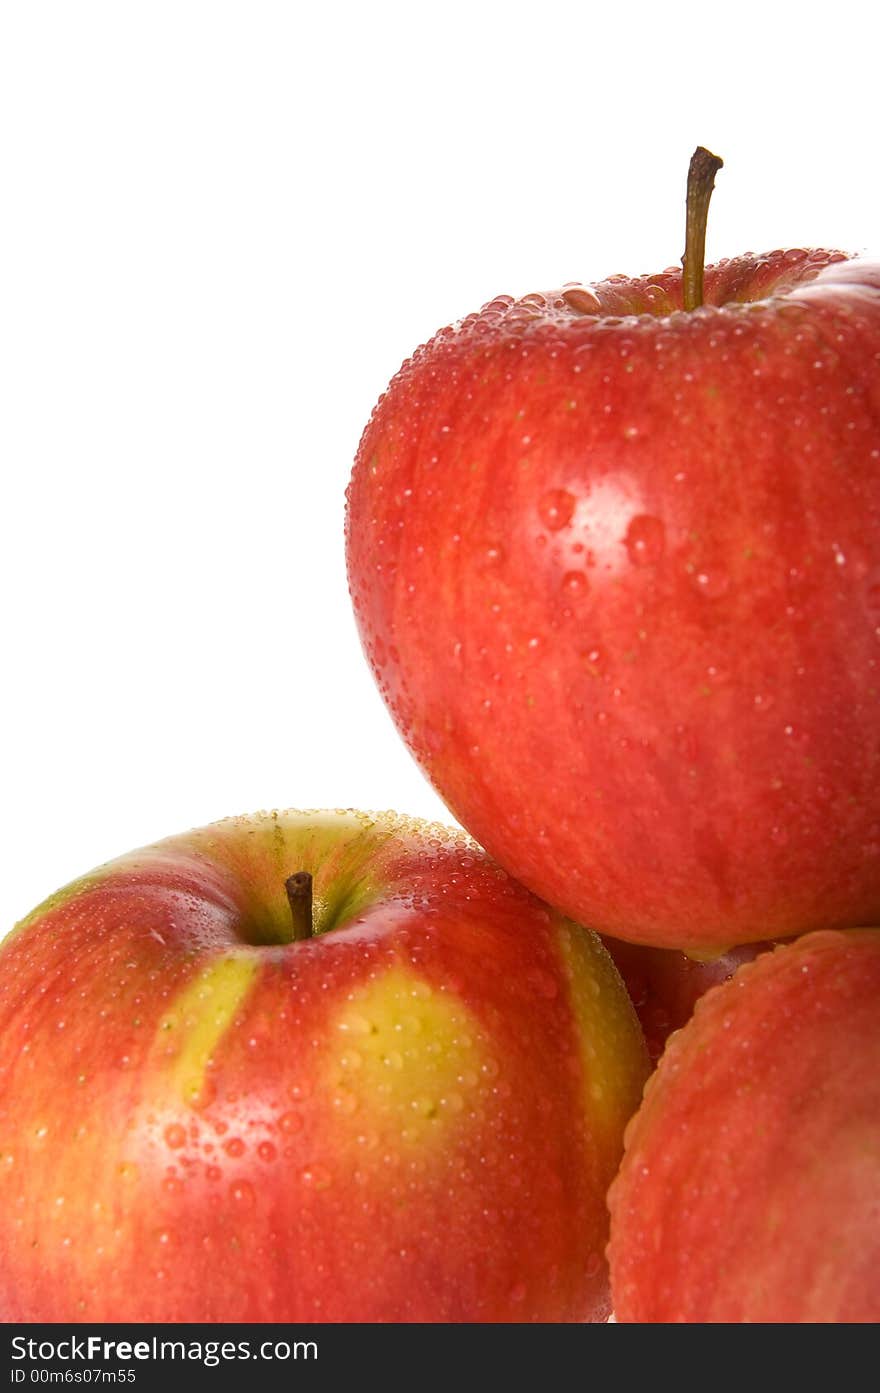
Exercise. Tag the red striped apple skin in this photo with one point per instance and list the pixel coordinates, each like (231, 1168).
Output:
(413, 1115)
(616, 569)
(750, 1187)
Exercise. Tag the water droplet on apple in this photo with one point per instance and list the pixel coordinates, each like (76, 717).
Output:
(175, 1135)
(543, 983)
(711, 584)
(356, 1023)
(266, 1151)
(290, 1122)
(582, 300)
(345, 1102)
(658, 298)
(234, 1147)
(242, 1193)
(575, 584)
(555, 509)
(316, 1177)
(645, 540)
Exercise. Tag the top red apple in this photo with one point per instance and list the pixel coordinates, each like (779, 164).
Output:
(616, 567)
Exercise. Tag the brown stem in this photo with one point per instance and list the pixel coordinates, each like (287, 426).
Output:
(701, 181)
(299, 897)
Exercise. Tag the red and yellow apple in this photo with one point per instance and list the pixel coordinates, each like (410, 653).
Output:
(616, 568)
(750, 1188)
(209, 1112)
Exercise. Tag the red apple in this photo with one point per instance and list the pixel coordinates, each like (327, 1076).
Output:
(616, 568)
(412, 1115)
(665, 985)
(750, 1188)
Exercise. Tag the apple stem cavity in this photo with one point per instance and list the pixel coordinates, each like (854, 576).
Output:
(299, 897)
(700, 183)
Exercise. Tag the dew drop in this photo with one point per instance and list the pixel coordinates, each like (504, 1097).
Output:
(234, 1147)
(266, 1151)
(575, 584)
(175, 1135)
(555, 509)
(645, 540)
(316, 1177)
(582, 300)
(356, 1023)
(543, 984)
(711, 584)
(345, 1103)
(242, 1193)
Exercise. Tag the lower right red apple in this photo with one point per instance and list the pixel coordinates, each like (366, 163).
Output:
(750, 1186)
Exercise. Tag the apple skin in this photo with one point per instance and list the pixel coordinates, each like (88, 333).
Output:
(616, 568)
(749, 1188)
(665, 985)
(412, 1116)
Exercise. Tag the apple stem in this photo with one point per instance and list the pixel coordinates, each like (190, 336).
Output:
(700, 183)
(299, 897)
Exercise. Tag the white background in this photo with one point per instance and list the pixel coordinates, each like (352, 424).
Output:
(222, 227)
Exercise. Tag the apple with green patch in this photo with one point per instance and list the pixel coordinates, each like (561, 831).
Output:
(308, 1066)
